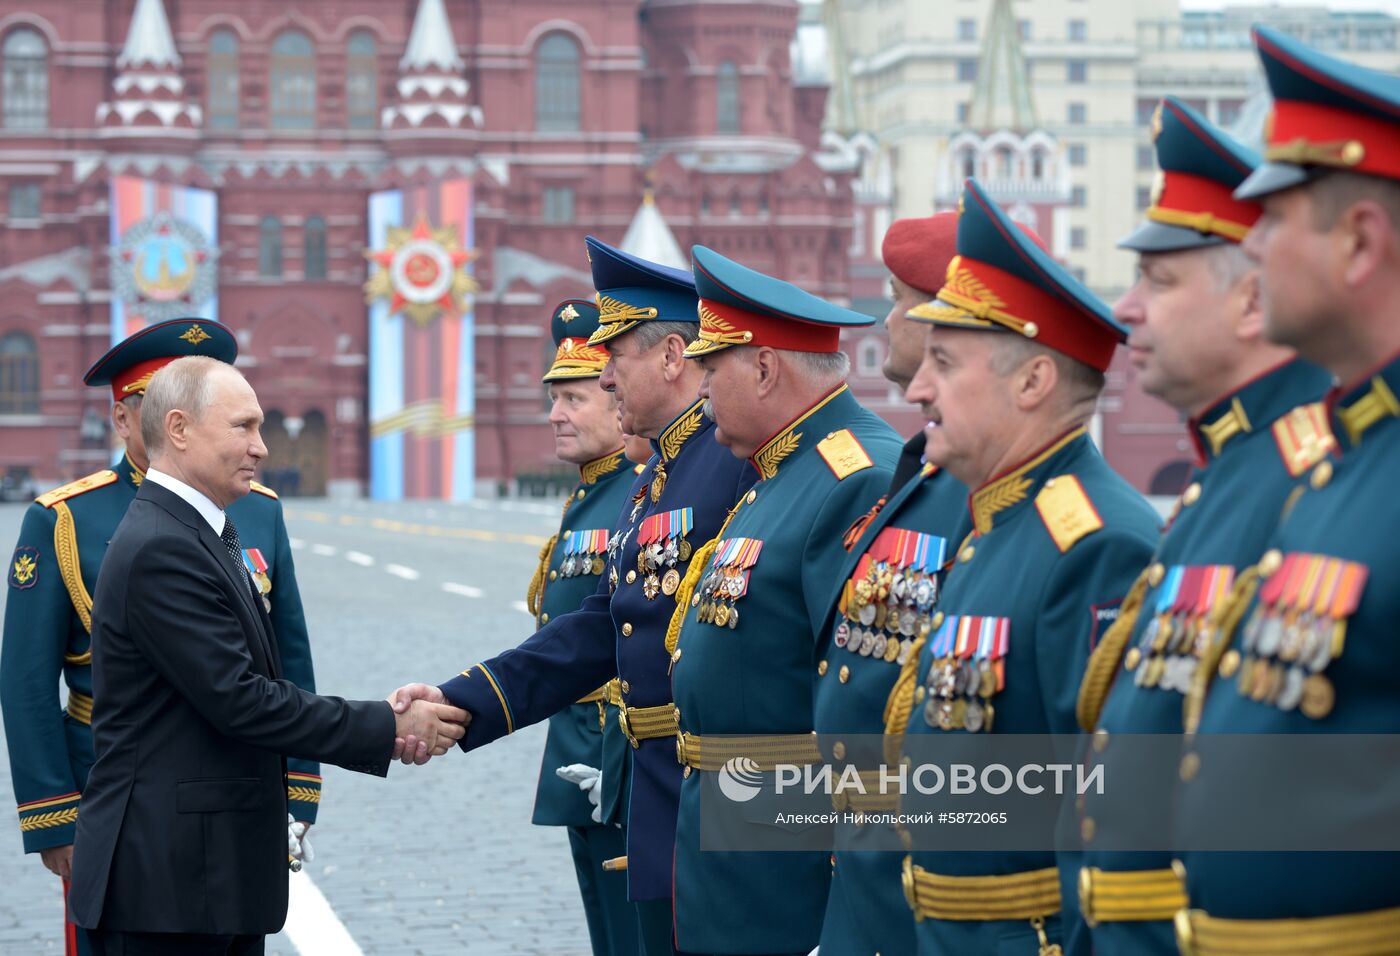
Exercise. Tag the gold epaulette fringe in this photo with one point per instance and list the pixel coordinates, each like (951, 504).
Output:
(1104, 661)
(535, 591)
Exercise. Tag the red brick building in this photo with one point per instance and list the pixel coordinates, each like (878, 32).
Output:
(560, 114)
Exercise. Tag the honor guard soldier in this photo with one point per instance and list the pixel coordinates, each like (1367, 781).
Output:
(586, 434)
(647, 316)
(889, 586)
(746, 633)
(1197, 342)
(48, 613)
(1014, 366)
(1308, 645)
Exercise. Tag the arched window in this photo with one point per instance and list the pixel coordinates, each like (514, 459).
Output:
(292, 92)
(556, 84)
(869, 357)
(362, 81)
(314, 248)
(270, 247)
(19, 375)
(223, 80)
(25, 80)
(727, 97)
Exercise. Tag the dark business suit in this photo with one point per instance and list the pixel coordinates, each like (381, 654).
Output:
(184, 822)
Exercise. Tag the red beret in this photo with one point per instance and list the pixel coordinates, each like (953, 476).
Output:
(917, 250)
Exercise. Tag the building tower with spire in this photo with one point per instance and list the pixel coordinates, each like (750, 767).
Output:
(1002, 142)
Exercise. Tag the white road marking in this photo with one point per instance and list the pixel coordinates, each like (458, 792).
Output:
(466, 590)
(324, 550)
(312, 925)
(521, 607)
(399, 571)
(360, 558)
(296, 543)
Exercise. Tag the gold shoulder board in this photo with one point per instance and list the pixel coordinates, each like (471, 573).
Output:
(1068, 513)
(1303, 438)
(74, 488)
(263, 490)
(843, 454)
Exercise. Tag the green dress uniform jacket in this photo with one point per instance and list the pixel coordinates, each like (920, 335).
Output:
(925, 519)
(1313, 652)
(48, 610)
(1252, 446)
(747, 655)
(1056, 543)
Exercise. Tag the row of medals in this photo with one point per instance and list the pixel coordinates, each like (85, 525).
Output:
(959, 694)
(264, 589)
(1284, 657)
(579, 564)
(1174, 645)
(720, 589)
(887, 611)
(651, 558)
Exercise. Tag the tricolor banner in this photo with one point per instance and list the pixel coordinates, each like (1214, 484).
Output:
(422, 398)
(164, 254)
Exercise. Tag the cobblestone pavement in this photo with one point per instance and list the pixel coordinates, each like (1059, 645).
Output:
(438, 859)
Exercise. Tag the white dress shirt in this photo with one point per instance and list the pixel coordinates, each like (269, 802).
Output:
(197, 500)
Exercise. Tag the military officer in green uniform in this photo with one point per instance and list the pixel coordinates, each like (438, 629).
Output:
(1308, 645)
(748, 624)
(889, 585)
(1253, 414)
(586, 434)
(1014, 366)
(48, 610)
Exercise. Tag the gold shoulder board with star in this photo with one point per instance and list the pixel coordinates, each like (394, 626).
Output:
(74, 488)
(843, 454)
(1068, 513)
(1303, 438)
(263, 490)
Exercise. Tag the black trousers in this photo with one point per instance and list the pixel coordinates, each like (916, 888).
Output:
(116, 943)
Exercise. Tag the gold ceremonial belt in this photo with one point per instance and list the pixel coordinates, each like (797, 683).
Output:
(80, 707)
(647, 723)
(871, 801)
(712, 753)
(1107, 896)
(1032, 895)
(1355, 934)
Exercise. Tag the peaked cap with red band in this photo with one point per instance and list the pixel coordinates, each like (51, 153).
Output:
(1193, 203)
(916, 250)
(1003, 280)
(573, 321)
(1328, 114)
(128, 366)
(739, 306)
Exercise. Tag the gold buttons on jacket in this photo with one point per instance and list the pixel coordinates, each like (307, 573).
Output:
(626, 629)
(544, 618)
(1270, 562)
(751, 496)
(631, 576)
(1100, 740)
(580, 494)
(967, 554)
(1087, 829)
(1192, 494)
(554, 575)
(937, 621)
(838, 750)
(1321, 475)
(919, 693)
(1156, 573)
(844, 675)
(821, 668)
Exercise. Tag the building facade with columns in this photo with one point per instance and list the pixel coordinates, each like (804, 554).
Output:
(272, 127)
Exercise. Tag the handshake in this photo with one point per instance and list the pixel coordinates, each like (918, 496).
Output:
(425, 724)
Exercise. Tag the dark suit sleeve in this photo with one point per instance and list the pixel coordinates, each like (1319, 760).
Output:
(289, 624)
(569, 657)
(179, 616)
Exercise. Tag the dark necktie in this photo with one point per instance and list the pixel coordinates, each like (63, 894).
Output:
(235, 551)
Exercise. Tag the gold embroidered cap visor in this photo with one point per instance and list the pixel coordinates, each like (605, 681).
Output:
(632, 290)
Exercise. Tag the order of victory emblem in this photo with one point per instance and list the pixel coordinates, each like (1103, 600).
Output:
(422, 272)
(163, 268)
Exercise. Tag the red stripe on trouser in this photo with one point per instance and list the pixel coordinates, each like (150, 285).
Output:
(70, 932)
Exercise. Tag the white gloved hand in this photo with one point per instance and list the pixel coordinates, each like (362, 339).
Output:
(298, 843)
(589, 779)
(814, 951)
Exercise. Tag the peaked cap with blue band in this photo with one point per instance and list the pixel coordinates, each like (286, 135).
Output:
(574, 321)
(1002, 279)
(633, 290)
(129, 365)
(1193, 202)
(1328, 114)
(739, 306)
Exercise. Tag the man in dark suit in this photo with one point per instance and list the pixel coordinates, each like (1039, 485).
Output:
(181, 846)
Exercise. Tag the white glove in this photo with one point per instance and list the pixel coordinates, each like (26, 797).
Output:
(589, 779)
(814, 951)
(298, 844)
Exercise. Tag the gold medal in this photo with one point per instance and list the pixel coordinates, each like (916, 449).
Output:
(892, 651)
(722, 615)
(597, 565)
(683, 549)
(264, 582)
(658, 484)
(1130, 661)
(1318, 697)
(670, 581)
